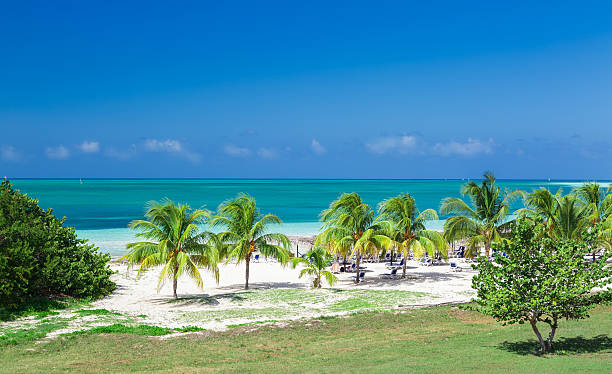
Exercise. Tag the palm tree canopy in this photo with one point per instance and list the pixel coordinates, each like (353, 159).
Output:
(349, 225)
(171, 238)
(247, 230)
(315, 261)
(408, 230)
(597, 200)
(480, 223)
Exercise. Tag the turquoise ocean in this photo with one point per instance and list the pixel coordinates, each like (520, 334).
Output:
(101, 209)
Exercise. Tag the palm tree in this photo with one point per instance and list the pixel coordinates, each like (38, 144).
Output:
(564, 217)
(247, 232)
(541, 205)
(408, 227)
(598, 202)
(172, 240)
(349, 224)
(482, 224)
(315, 262)
(570, 216)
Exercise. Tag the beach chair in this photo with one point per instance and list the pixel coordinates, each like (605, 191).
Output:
(425, 262)
(454, 267)
(390, 275)
(361, 276)
(256, 258)
(396, 265)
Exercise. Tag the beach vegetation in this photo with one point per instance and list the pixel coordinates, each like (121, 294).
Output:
(571, 216)
(442, 339)
(535, 279)
(349, 224)
(315, 261)
(483, 223)
(247, 230)
(41, 259)
(408, 232)
(172, 240)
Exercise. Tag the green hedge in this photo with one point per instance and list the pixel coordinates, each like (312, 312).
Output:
(41, 257)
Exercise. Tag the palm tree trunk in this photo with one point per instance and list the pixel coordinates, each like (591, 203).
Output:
(357, 267)
(487, 248)
(175, 281)
(404, 268)
(248, 261)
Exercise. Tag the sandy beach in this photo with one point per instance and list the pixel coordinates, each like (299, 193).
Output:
(137, 296)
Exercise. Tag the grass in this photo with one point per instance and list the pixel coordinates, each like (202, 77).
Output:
(118, 328)
(39, 331)
(249, 307)
(96, 312)
(439, 339)
(40, 307)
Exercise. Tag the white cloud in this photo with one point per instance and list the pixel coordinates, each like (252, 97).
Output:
(402, 144)
(169, 145)
(267, 153)
(469, 148)
(58, 153)
(317, 148)
(236, 151)
(89, 147)
(9, 153)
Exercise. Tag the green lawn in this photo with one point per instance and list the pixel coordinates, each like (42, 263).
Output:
(438, 340)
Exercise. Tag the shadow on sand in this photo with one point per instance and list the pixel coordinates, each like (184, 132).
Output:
(236, 293)
(575, 345)
(411, 278)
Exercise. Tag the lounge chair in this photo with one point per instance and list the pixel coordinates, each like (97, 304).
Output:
(389, 266)
(361, 276)
(425, 262)
(256, 259)
(454, 267)
(390, 275)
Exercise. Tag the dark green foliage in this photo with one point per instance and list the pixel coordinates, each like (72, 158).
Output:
(119, 328)
(541, 279)
(190, 329)
(41, 257)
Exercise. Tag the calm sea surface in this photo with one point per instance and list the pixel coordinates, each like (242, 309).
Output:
(101, 209)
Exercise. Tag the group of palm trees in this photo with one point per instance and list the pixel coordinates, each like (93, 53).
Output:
(350, 227)
(172, 239)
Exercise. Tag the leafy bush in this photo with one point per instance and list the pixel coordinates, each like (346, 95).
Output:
(535, 279)
(41, 257)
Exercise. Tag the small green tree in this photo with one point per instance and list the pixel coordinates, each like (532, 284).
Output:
(314, 263)
(540, 279)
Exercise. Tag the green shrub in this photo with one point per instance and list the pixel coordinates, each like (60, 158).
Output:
(41, 257)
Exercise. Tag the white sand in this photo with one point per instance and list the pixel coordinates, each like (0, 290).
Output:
(137, 296)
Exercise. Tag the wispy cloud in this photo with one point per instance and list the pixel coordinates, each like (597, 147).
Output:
(172, 146)
(89, 147)
(9, 153)
(469, 148)
(267, 153)
(402, 144)
(317, 148)
(169, 145)
(57, 153)
(236, 151)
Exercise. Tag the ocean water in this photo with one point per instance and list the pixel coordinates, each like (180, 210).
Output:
(101, 210)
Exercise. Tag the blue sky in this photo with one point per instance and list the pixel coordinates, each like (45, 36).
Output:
(437, 89)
